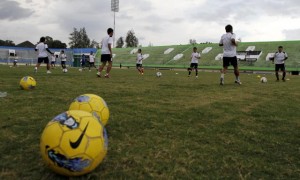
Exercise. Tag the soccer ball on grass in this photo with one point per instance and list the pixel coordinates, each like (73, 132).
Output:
(73, 143)
(27, 83)
(93, 104)
(263, 80)
(158, 74)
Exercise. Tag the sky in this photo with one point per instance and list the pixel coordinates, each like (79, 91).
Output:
(156, 22)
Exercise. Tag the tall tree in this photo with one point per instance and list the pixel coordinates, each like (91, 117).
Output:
(94, 44)
(120, 42)
(193, 41)
(131, 40)
(79, 39)
(58, 44)
(55, 43)
(7, 43)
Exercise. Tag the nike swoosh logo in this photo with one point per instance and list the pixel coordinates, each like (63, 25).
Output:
(75, 144)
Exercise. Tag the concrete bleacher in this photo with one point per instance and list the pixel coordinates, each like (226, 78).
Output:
(158, 58)
(206, 50)
(250, 48)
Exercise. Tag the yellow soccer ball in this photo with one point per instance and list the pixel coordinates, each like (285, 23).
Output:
(74, 143)
(27, 83)
(93, 104)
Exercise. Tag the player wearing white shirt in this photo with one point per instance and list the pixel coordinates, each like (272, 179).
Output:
(63, 59)
(278, 59)
(53, 61)
(92, 60)
(106, 53)
(229, 54)
(139, 62)
(42, 50)
(194, 62)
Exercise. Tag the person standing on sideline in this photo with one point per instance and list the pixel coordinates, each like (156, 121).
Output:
(139, 62)
(92, 61)
(229, 54)
(279, 57)
(42, 50)
(106, 53)
(195, 57)
(63, 59)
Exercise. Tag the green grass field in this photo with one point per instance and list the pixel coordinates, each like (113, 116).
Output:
(173, 127)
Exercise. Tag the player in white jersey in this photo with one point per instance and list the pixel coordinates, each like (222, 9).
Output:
(229, 54)
(139, 62)
(106, 53)
(53, 61)
(42, 49)
(279, 57)
(92, 61)
(195, 57)
(63, 60)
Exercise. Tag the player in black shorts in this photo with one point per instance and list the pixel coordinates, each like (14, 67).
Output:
(229, 55)
(106, 53)
(279, 57)
(195, 57)
(42, 50)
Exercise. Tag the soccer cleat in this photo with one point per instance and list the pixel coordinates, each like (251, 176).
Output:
(238, 82)
(106, 76)
(35, 70)
(283, 80)
(48, 72)
(196, 76)
(99, 74)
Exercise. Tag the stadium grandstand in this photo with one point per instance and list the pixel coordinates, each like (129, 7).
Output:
(251, 55)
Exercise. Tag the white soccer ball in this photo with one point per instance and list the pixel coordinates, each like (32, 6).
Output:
(158, 74)
(80, 70)
(263, 80)
(65, 70)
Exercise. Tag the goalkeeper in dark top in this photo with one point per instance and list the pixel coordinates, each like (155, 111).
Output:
(279, 57)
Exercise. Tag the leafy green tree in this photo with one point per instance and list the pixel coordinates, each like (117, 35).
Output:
(95, 44)
(55, 43)
(7, 43)
(131, 40)
(120, 42)
(79, 39)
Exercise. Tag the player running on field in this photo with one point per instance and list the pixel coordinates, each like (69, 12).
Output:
(83, 61)
(139, 62)
(229, 54)
(92, 61)
(279, 57)
(42, 50)
(53, 61)
(63, 58)
(106, 53)
(195, 57)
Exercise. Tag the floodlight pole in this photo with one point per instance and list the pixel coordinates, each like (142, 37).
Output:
(114, 29)
(114, 8)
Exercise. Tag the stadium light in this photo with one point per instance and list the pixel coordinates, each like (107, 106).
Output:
(114, 8)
